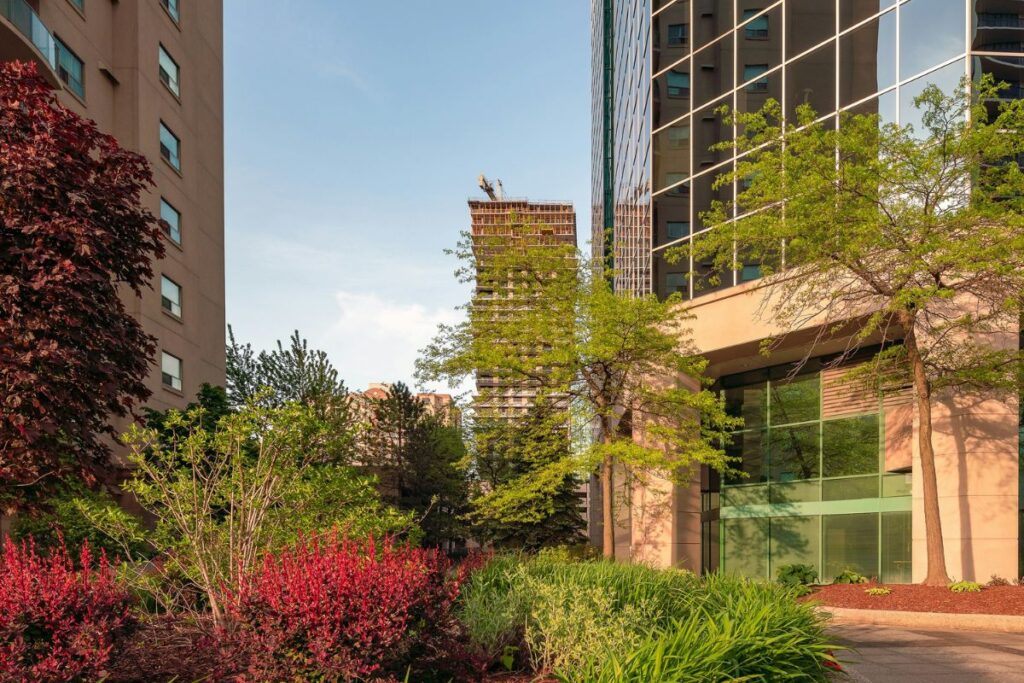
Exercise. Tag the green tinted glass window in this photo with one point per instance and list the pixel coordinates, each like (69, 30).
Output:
(796, 400)
(850, 446)
(794, 452)
(745, 549)
(851, 542)
(795, 540)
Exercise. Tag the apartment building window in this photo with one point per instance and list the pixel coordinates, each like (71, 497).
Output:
(678, 84)
(681, 190)
(677, 282)
(169, 71)
(170, 296)
(677, 230)
(80, 4)
(172, 217)
(751, 71)
(170, 147)
(172, 8)
(677, 34)
(679, 137)
(170, 371)
(758, 28)
(70, 68)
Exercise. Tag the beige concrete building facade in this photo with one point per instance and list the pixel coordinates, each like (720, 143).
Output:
(150, 73)
(829, 473)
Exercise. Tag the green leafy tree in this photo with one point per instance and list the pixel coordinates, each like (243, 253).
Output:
(293, 373)
(912, 238)
(528, 487)
(418, 458)
(539, 320)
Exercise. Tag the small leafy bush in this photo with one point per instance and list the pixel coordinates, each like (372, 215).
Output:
(965, 587)
(997, 580)
(878, 591)
(58, 622)
(848, 576)
(344, 611)
(793, 575)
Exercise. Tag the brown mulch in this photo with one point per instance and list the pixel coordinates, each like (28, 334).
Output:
(165, 649)
(915, 598)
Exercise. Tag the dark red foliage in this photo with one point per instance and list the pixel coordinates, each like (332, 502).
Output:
(343, 611)
(73, 232)
(57, 623)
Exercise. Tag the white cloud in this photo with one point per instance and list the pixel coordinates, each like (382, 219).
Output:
(378, 340)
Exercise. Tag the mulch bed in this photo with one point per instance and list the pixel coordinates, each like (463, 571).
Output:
(915, 598)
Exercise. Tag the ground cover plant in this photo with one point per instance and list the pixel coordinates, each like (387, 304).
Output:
(599, 621)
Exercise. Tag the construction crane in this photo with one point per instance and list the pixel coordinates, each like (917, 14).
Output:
(495, 195)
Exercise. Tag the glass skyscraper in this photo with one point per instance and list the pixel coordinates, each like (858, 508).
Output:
(829, 474)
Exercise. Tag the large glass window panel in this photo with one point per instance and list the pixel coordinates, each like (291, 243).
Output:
(796, 400)
(748, 402)
(804, 491)
(708, 130)
(677, 283)
(998, 25)
(711, 20)
(794, 540)
(672, 275)
(896, 545)
(672, 151)
(931, 31)
(754, 78)
(855, 11)
(850, 488)
(1008, 70)
(745, 547)
(669, 208)
(947, 78)
(808, 23)
(747, 452)
(850, 542)
(712, 70)
(670, 30)
(744, 494)
(886, 106)
(677, 230)
(812, 80)
(896, 485)
(70, 68)
(867, 59)
(794, 452)
(850, 446)
(672, 95)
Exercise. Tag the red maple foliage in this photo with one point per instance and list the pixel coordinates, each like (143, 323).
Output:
(344, 611)
(73, 233)
(57, 623)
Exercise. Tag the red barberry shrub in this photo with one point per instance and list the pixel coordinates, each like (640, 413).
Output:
(58, 622)
(340, 610)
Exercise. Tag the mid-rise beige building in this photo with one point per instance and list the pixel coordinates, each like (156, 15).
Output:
(150, 73)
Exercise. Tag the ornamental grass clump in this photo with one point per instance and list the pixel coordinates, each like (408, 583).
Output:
(58, 622)
(339, 610)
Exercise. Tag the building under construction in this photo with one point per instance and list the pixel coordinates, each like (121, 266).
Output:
(551, 223)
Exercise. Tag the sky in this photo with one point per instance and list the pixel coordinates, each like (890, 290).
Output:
(355, 131)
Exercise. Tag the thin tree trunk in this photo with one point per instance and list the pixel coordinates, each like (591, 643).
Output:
(936, 553)
(607, 490)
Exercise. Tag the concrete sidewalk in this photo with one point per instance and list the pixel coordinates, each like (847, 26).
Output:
(893, 655)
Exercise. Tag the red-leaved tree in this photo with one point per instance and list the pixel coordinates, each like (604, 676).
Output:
(73, 234)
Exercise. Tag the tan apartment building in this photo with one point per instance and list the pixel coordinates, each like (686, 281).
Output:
(150, 73)
(830, 472)
(551, 223)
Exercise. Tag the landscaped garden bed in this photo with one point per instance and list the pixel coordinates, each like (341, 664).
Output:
(1001, 599)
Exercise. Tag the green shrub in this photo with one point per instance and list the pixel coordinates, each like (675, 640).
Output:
(600, 621)
(743, 631)
(965, 587)
(849, 576)
(793, 575)
(878, 591)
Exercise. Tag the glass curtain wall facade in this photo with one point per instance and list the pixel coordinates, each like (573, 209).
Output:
(672, 64)
(812, 485)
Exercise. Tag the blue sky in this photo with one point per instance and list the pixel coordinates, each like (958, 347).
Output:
(355, 132)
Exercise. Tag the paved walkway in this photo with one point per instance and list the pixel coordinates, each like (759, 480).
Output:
(890, 655)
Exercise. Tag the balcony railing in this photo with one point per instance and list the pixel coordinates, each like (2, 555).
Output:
(25, 19)
(1000, 21)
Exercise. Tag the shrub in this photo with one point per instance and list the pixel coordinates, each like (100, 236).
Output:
(997, 581)
(737, 630)
(878, 591)
(792, 575)
(848, 576)
(965, 587)
(57, 623)
(343, 611)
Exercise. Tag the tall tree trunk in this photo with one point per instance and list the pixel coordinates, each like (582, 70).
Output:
(607, 516)
(936, 551)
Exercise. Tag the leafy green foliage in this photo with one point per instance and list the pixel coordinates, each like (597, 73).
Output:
(848, 576)
(599, 621)
(793, 575)
(965, 587)
(878, 591)
(526, 497)
(538, 319)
